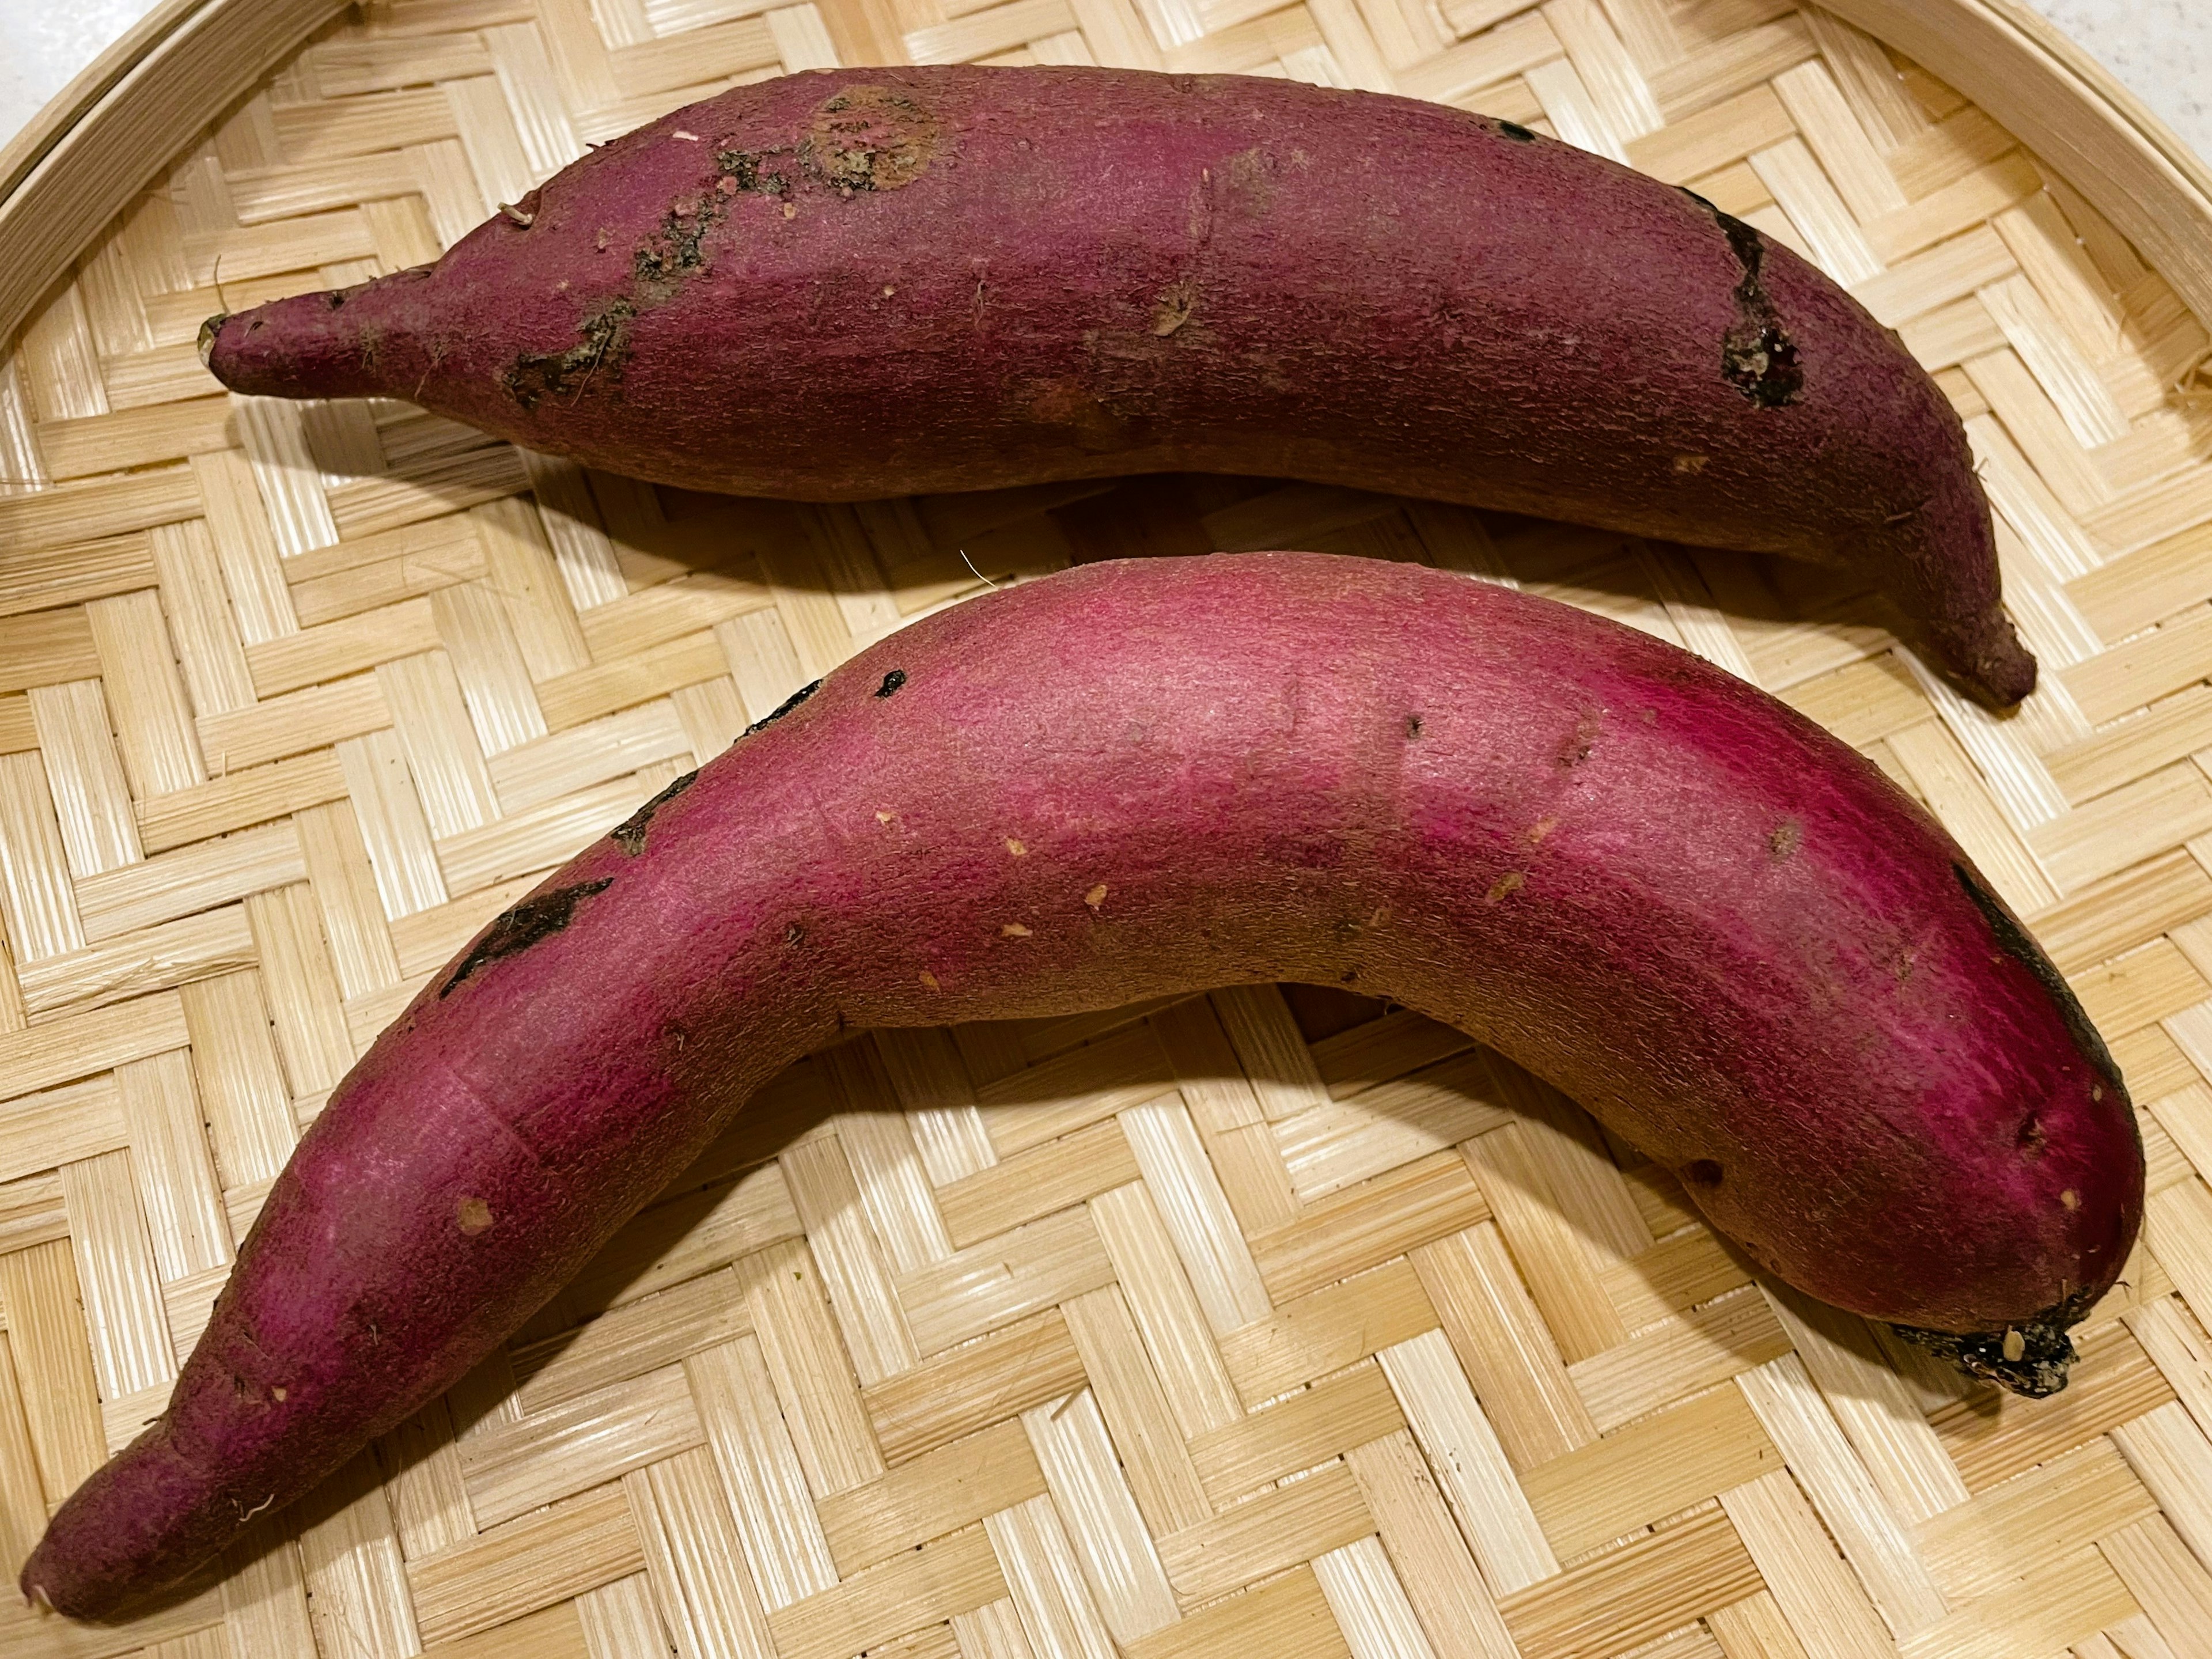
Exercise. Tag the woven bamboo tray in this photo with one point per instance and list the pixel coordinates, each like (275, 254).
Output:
(1267, 1323)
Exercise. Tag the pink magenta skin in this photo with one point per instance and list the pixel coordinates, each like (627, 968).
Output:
(1719, 928)
(867, 282)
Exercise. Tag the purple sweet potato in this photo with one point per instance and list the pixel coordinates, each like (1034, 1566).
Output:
(868, 282)
(1719, 928)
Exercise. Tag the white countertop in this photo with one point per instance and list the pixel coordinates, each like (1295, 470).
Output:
(2161, 50)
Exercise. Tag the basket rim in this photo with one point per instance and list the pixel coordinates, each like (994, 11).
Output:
(60, 186)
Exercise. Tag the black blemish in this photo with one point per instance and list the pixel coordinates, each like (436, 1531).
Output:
(676, 250)
(517, 929)
(794, 934)
(1515, 131)
(785, 707)
(1413, 726)
(2032, 1137)
(1350, 975)
(1758, 356)
(336, 299)
(2045, 1353)
(629, 833)
(1575, 749)
(892, 681)
(743, 169)
(603, 347)
(1703, 1172)
(2014, 941)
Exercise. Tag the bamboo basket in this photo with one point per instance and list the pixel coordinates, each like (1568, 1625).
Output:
(1268, 1323)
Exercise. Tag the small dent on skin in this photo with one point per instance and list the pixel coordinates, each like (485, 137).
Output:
(2070, 1199)
(1015, 847)
(1413, 726)
(1784, 839)
(1511, 882)
(1013, 930)
(794, 934)
(1095, 896)
(2032, 1137)
(473, 1215)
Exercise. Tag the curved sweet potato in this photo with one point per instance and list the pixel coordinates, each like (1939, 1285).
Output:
(1720, 929)
(869, 282)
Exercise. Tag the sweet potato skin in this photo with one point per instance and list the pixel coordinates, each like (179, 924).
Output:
(1719, 928)
(863, 282)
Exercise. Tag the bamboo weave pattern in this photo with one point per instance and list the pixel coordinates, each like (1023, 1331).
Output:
(1269, 1323)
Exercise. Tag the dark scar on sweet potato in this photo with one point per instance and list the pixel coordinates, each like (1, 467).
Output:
(1758, 356)
(2045, 1351)
(2014, 941)
(785, 707)
(516, 930)
(629, 833)
(892, 681)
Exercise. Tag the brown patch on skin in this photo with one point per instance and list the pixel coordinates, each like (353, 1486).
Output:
(1576, 748)
(1248, 182)
(929, 981)
(1095, 896)
(472, 1215)
(1511, 882)
(1015, 847)
(278, 1393)
(870, 138)
(2070, 1199)
(1173, 308)
(1691, 466)
(1541, 828)
(1900, 966)
(885, 817)
(1703, 1172)
(1067, 403)
(1013, 930)
(1784, 839)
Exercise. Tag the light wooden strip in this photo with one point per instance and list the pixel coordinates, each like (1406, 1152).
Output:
(1957, 791)
(344, 890)
(1623, 98)
(1900, 1585)
(1227, 1113)
(2131, 593)
(526, 1564)
(52, 1127)
(1327, 1330)
(31, 1212)
(2066, 1602)
(91, 797)
(1266, 1534)
(1105, 1531)
(349, 578)
(1056, 1618)
(1623, 1598)
(2168, 1583)
(357, 1589)
(209, 650)
(530, 773)
(430, 716)
(1817, 211)
(1694, 1351)
(1377, 1051)
(73, 1046)
(40, 1296)
(1166, 1309)
(1511, 49)
(240, 1082)
(176, 1182)
(488, 660)
(36, 902)
(304, 1002)
(240, 523)
(1459, 1442)
(694, 1564)
(1270, 1049)
(2092, 414)
(117, 1277)
(93, 512)
(394, 832)
(153, 727)
(813, 1380)
(2128, 824)
(782, 1538)
(1162, 1476)
(179, 885)
(1364, 1226)
(1290, 1616)
(1196, 1213)
(1000, 1280)
(1308, 1429)
(252, 797)
(156, 958)
(627, 1341)
(1663, 1463)
(72, 574)
(2155, 896)
(945, 1490)
(955, 1574)
(1065, 1093)
(850, 1259)
(1339, 1145)
(585, 1442)
(1825, 1606)
(994, 1631)
(1431, 1556)
(2008, 1532)
(1877, 1413)
(1037, 1182)
(686, 1236)
(1552, 1256)
(2172, 1458)
(1946, 273)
